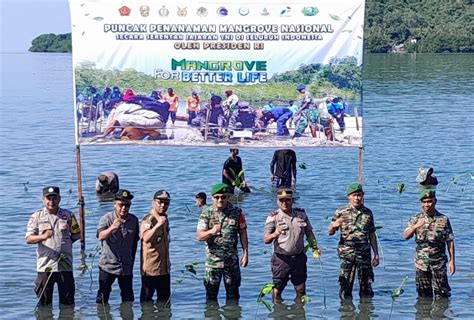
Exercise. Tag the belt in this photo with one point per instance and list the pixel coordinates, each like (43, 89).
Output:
(291, 256)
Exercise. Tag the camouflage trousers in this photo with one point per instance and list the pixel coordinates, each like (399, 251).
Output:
(232, 279)
(365, 274)
(307, 117)
(432, 280)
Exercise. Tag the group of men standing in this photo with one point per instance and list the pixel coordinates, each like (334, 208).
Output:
(222, 226)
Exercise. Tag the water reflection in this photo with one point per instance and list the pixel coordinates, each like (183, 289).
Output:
(288, 311)
(155, 311)
(426, 308)
(46, 312)
(365, 309)
(230, 311)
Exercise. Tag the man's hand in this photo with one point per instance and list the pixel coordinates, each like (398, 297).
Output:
(216, 229)
(277, 232)
(245, 260)
(47, 234)
(316, 253)
(452, 267)
(375, 260)
(160, 220)
(337, 224)
(419, 223)
(116, 224)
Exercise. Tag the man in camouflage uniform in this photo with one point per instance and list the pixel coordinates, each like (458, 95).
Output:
(220, 225)
(433, 233)
(286, 228)
(307, 114)
(357, 226)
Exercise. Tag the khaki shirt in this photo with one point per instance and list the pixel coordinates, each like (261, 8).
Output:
(294, 226)
(55, 252)
(155, 255)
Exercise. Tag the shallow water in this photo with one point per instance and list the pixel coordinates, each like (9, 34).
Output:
(417, 112)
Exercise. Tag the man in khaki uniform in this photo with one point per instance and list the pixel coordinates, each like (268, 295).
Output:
(54, 230)
(155, 256)
(286, 228)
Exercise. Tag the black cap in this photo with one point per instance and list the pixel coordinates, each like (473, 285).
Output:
(162, 194)
(285, 193)
(123, 195)
(201, 195)
(47, 191)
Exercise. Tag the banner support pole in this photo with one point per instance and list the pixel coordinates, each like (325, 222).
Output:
(360, 166)
(82, 220)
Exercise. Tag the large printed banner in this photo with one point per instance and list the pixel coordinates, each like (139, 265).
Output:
(191, 73)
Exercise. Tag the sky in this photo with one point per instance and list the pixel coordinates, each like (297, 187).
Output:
(23, 20)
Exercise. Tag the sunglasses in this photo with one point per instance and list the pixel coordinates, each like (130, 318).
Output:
(220, 197)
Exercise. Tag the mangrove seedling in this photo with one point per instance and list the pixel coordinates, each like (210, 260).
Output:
(306, 299)
(400, 189)
(454, 180)
(188, 269)
(302, 165)
(266, 289)
(397, 293)
(25, 185)
(311, 244)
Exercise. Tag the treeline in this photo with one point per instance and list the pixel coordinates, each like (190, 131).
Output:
(425, 26)
(51, 43)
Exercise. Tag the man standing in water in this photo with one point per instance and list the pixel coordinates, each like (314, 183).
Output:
(283, 169)
(220, 226)
(233, 172)
(433, 233)
(118, 232)
(155, 253)
(357, 226)
(286, 228)
(54, 230)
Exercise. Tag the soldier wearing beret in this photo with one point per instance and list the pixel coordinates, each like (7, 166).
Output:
(433, 234)
(118, 232)
(54, 229)
(356, 223)
(220, 226)
(286, 228)
(155, 254)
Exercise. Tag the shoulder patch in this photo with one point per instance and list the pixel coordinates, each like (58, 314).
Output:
(274, 213)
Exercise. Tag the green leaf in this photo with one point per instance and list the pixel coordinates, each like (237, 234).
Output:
(267, 288)
(302, 165)
(378, 226)
(305, 298)
(267, 305)
(48, 269)
(190, 268)
(399, 291)
(400, 188)
(472, 176)
(334, 17)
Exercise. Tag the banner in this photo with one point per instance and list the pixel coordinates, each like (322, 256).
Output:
(258, 74)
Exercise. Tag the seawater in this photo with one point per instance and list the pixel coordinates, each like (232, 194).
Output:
(417, 112)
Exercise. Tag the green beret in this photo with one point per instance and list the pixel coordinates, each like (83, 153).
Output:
(220, 188)
(427, 193)
(355, 187)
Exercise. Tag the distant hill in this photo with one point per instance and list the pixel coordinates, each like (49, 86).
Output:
(425, 26)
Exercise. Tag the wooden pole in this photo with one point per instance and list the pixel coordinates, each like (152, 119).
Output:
(82, 220)
(360, 164)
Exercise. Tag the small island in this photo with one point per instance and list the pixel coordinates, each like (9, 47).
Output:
(424, 26)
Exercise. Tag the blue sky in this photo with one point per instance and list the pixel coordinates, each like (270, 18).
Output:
(22, 20)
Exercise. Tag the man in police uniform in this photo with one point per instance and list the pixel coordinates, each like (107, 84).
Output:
(155, 254)
(357, 227)
(286, 228)
(433, 233)
(54, 230)
(220, 225)
(119, 233)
